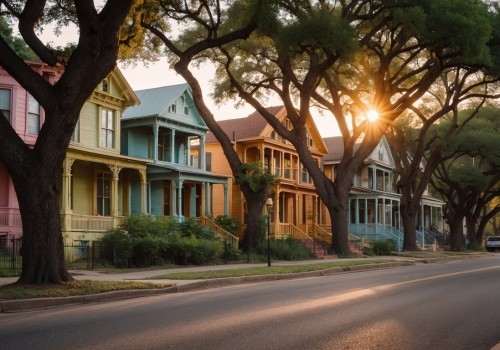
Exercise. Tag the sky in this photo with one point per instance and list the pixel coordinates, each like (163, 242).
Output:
(159, 73)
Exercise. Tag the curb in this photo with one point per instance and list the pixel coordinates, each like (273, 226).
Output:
(12, 306)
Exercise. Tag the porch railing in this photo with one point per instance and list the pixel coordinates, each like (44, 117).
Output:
(225, 235)
(10, 217)
(93, 223)
(284, 230)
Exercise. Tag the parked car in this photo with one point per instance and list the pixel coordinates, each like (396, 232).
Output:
(493, 243)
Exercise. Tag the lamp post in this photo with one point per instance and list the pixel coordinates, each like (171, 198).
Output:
(269, 207)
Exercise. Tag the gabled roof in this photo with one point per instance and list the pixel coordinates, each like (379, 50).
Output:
(248, 127)
(335, 147)
(255, 126)
(155, 101)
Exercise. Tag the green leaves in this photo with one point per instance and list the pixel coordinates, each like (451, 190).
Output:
(321, 29)
(254, 175)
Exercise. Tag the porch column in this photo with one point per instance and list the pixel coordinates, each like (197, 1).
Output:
(202, 156)
(66, 194)
(173, 198)
(149, 197)
(144, 190)
(206, 186)
(179, 199)
(114, 189)
(225, 198)
(374, 177)
(172, 146)
(155, 142)
(66, 185)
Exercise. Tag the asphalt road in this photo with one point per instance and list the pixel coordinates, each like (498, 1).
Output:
(452, 305)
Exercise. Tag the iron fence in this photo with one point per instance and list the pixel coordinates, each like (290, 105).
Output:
(76, 257)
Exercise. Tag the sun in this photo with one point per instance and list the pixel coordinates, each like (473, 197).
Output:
(372, 115)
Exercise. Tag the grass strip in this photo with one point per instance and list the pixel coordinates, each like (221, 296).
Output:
(264, 270)
(74, 287)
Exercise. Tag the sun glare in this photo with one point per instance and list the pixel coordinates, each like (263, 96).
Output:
(372, 115)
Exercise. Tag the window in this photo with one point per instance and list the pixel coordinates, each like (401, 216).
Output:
(164, 147)
(33, 116)
(208, 161)
(173, 108)
(5, 102)
(103, 206)
(194, 162)
(105, 86)
(107, 128)
(75, 137)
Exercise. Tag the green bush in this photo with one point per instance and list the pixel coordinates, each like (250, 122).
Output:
(149, 240)
(384, 247)
(228, 223)
(190, 227)
(285, 249)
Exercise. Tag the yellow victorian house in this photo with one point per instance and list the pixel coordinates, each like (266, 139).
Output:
(101, 186)
(295, 201)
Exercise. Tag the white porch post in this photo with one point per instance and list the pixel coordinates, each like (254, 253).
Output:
(155, 142)
(179, 199)
(172, 146)
(202, 155)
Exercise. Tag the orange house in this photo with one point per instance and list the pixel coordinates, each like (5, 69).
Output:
(296, 204)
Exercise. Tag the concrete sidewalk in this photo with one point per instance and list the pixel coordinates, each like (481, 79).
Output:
(174, 286)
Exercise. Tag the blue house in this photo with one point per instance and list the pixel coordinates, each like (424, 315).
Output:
(164, 127)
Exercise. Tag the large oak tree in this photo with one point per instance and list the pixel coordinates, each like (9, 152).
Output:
(344, 57)
(36, 172)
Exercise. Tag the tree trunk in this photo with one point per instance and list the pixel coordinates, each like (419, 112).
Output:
(338, 214)
(409, 211)
(472, 231)
(253, 234)
(456, 234)
(42, 248)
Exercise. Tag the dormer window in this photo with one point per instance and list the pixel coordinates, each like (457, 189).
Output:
(105, 86)
(173, 108)
(380, 154)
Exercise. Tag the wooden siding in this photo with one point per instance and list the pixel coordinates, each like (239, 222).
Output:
(135, 196)
(157, 197)
(138, 143)
(89, 129)
(83, 188)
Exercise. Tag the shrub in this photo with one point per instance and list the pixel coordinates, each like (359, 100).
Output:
(285, 249)
(118, 247)
(228, 223)
(149, 240)
(384, 247)
(190, 227)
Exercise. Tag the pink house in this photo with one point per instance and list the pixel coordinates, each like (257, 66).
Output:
(26, 117)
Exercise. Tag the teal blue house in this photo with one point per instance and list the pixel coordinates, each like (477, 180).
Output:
(165, 127)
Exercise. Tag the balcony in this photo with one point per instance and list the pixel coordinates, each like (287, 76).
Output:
(89, 223)
(10, 217)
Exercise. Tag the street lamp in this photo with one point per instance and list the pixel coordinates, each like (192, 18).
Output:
(269, 207)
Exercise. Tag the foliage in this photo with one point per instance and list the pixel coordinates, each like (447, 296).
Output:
(155, 240)
(255, 176)
(228, 223)
(17, 44)
(285, 249)
(384, 247)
